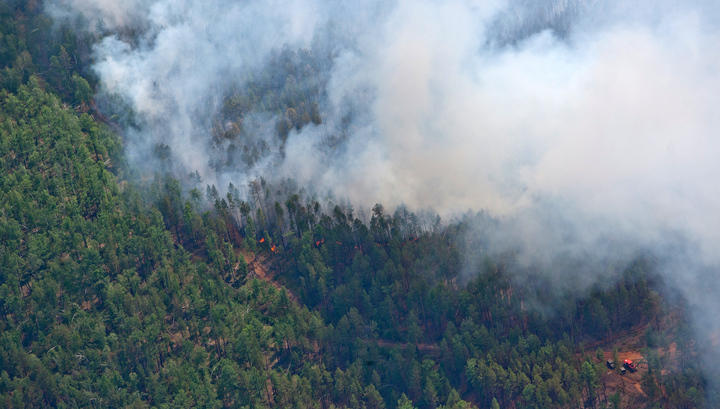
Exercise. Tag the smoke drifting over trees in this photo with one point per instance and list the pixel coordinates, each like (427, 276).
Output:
(590, 127)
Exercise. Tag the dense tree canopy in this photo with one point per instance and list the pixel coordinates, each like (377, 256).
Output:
(115, 291)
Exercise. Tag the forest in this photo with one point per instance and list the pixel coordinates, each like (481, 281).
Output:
(118, 290)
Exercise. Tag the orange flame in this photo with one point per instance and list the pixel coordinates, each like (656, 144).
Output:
(262, 240)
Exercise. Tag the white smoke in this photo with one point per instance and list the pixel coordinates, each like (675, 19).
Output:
(455, 106)
(111, 15)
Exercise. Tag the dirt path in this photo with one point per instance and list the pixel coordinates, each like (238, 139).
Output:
(430, 349)
(260, 266)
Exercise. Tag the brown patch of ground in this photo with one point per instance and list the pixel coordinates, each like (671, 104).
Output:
(430, 349)
(671, 353)
(628, 385)
(629, 343)
(260, 266)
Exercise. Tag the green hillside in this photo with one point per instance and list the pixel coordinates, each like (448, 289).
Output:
(120, 293)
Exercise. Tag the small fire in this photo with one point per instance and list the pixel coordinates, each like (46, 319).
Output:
(273, 249)
(262, 240)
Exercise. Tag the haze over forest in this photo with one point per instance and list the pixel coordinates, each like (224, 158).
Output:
(562, 152)
(589, 127)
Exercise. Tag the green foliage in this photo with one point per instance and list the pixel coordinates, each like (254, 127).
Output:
(389, 294)
(115, 293)
(30, 44)
(83, 92)
(405, 403)
(98, 305)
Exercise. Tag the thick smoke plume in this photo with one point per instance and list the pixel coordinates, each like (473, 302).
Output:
(590, 127)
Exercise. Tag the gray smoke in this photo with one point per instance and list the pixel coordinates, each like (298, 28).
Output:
(589, 127)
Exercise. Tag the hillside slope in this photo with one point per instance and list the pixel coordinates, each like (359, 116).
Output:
(119, 290)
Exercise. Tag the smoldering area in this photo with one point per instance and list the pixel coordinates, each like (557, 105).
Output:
(588, 130)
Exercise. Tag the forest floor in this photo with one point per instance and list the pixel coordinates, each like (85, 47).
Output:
(629, 385)
(260, 266)
(630, 344)
(429, 349)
